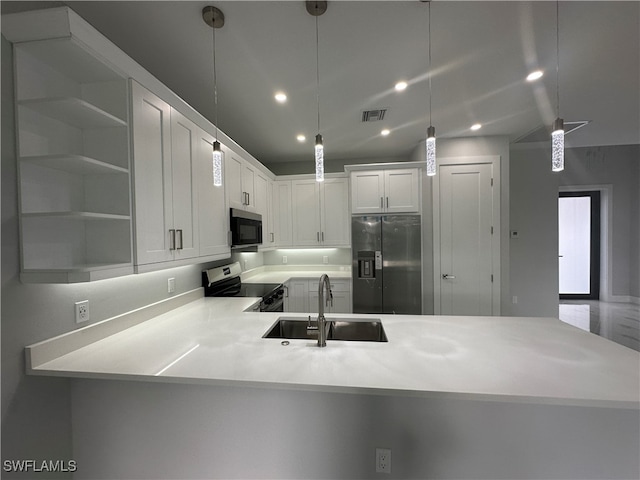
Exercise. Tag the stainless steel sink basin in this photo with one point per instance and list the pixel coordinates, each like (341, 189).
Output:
(347, 329)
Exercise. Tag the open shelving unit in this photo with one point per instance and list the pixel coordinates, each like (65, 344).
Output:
(73, 163)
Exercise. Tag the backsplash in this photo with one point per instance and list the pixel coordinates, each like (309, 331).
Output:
(308, 256)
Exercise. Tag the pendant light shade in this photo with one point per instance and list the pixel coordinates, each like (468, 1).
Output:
(431, 151)
(217, 164)
(557, 130)
(557, 145)
(215, 19)
(319, 156)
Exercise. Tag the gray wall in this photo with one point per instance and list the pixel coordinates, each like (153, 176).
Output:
(619, 167)
(167, 431)
(534, 214)
(36, 411)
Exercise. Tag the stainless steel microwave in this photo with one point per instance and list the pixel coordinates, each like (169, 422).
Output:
(246, 228)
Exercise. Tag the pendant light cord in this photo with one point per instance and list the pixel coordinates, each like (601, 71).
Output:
(317, 74)
(429, 32)
(215, 84)
(557, 58)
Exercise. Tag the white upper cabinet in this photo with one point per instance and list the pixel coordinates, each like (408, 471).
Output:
(320, 212)
(213, 214)
(282, 216)
(385, 191)
(263, 200)
(240, 182)
(164, 145)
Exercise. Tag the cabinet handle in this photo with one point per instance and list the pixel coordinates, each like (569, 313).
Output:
(286, 291)
(381, 202)
(172, 239)
(323, 236)
(248, 198)
(318, 236)
(272, 237)
(180, 238)
(387, 202)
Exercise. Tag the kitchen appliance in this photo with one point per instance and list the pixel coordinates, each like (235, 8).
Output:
(387, 264)
(246, 228)
(225, 281)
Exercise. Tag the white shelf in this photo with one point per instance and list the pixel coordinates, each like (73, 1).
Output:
(75, 164)
(73, 111)
(77, 216)
(81, 273)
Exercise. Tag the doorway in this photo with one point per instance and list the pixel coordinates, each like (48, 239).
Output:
(579, 245)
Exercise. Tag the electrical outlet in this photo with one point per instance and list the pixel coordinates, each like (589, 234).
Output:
(325, 259)
(171, 285)
(82, 311)
(284, 259)
(383, 460)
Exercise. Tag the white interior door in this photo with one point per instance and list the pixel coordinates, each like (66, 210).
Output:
(466, 236)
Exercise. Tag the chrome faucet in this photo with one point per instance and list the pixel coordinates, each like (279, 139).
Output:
(324, 285)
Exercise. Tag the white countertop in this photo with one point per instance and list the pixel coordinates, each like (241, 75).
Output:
(212, 341)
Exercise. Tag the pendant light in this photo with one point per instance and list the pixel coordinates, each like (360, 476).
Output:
(317, 8)
(215, 19)
(430, 143)
(557, 130)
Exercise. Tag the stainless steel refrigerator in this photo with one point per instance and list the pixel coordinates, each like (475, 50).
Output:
(387, 264)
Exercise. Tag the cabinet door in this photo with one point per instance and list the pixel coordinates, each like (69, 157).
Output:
(367, 192)
(305, 195)
(401, 191)
(298, 296)
(233, 180)
(261, 201)
(152, 176)
(282, 213)
(184, 137)
(213, 214)
(249, 186)
(335, 212)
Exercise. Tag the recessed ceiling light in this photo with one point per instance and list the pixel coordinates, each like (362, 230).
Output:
(280, 97)
(301, 138)
(476, 126)
(385, 132)
(534, 75)
(400, 86)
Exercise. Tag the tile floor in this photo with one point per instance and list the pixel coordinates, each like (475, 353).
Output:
(619, 322)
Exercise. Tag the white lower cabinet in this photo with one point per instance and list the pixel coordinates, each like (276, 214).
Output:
(302, 296)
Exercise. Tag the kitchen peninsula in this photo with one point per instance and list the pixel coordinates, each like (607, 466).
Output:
(202, 372)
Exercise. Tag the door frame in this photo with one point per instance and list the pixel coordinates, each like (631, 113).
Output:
(494, 161)
(606, 234)
(594, 245)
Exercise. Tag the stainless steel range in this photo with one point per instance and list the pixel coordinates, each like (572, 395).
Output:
(226, 282)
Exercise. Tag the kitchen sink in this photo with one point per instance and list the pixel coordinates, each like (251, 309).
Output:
(346, 329)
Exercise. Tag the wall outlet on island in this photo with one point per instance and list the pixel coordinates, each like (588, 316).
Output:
(171, 285)
(82, 311)
(383, 460)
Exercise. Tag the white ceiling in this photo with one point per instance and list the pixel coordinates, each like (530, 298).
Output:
(481, 53)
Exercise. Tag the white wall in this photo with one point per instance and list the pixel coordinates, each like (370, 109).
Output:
(167, 431)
